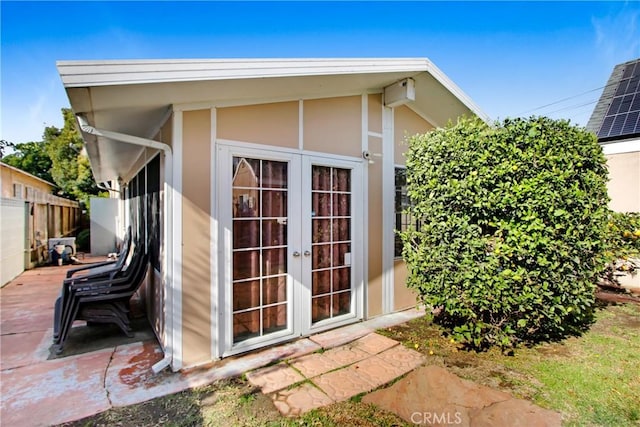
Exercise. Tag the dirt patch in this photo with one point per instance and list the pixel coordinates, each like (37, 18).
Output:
(235, 402)
(225, 403)
(553, 349)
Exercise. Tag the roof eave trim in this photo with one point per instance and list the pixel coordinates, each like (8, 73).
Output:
(105, 73)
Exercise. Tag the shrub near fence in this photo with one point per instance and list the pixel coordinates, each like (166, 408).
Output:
(512, 219)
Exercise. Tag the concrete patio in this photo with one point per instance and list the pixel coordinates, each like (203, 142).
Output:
(37, 387)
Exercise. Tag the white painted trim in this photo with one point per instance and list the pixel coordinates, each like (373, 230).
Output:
(299, 166)
(109, 72)
(365, 207)
(223, 171)
(257, 146)
(388, 191)
(226, 153)
(175, 310)
(213, 247)
(300, 125)
(357, 235)
(375, 134)
(621, 147)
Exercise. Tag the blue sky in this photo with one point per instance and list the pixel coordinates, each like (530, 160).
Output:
(510, 57)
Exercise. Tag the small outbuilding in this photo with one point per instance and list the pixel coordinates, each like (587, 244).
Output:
(267, 190)
(30, 215)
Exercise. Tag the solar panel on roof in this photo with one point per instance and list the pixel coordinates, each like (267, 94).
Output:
(623, 115)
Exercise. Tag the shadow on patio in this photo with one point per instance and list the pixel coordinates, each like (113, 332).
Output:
(101, 368)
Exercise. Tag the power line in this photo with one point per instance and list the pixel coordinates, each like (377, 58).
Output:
(574, 106)
(562, 100)
(615, 83)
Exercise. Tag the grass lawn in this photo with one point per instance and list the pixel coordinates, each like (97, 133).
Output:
(593, 380)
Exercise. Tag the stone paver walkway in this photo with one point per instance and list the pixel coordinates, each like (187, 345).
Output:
(36, 388)
(331, 375)
(433, 396)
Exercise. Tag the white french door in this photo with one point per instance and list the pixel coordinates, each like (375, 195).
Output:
(292, 257)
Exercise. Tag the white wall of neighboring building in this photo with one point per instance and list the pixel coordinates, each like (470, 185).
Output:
(12, 236)
(623, 162)
(104, 226)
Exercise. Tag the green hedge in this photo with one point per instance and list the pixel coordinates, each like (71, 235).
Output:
(623, 244)
(512, 219)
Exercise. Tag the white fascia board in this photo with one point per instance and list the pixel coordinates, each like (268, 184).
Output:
(621, 147)
(121, 72)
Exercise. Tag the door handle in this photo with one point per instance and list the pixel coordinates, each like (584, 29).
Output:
(296, 254)
(307, 253)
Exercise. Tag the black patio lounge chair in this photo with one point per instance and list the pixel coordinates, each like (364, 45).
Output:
(104, 268)
(106, 295)
(99, 301)
(106, 313)
(118, 269)
(70, 286)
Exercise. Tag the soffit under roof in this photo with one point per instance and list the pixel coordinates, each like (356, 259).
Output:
(133, 97)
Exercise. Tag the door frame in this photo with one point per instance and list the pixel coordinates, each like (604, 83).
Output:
(225, 249)
(299, 293)
(357, 248)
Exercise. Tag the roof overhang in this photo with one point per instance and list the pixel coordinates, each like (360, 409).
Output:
(134, 96)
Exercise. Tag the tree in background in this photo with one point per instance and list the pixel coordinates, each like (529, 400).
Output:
(510, 228)
(31, 157)
(4, 146)
(59, 158)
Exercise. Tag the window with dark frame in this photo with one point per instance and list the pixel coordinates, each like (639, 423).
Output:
(402, 219)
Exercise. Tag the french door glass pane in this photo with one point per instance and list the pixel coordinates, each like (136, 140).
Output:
(259, 263)
(331, 242)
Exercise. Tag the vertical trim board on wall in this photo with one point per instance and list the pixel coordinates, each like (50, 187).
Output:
(175, 327)
(301, 125)
(388, 191)
(365, 206)
(213, 254)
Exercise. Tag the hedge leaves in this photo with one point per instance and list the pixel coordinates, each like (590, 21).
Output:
(510, 228)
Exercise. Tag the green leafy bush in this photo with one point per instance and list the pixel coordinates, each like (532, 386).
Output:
(623, 243)
(623, 235)
(512, 219)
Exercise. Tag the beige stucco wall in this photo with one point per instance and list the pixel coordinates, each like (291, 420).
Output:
(196, 212)
(271, 124)
(403, 298)
(624, 181)
(333, 125)
(374, 103)
(406, 123)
